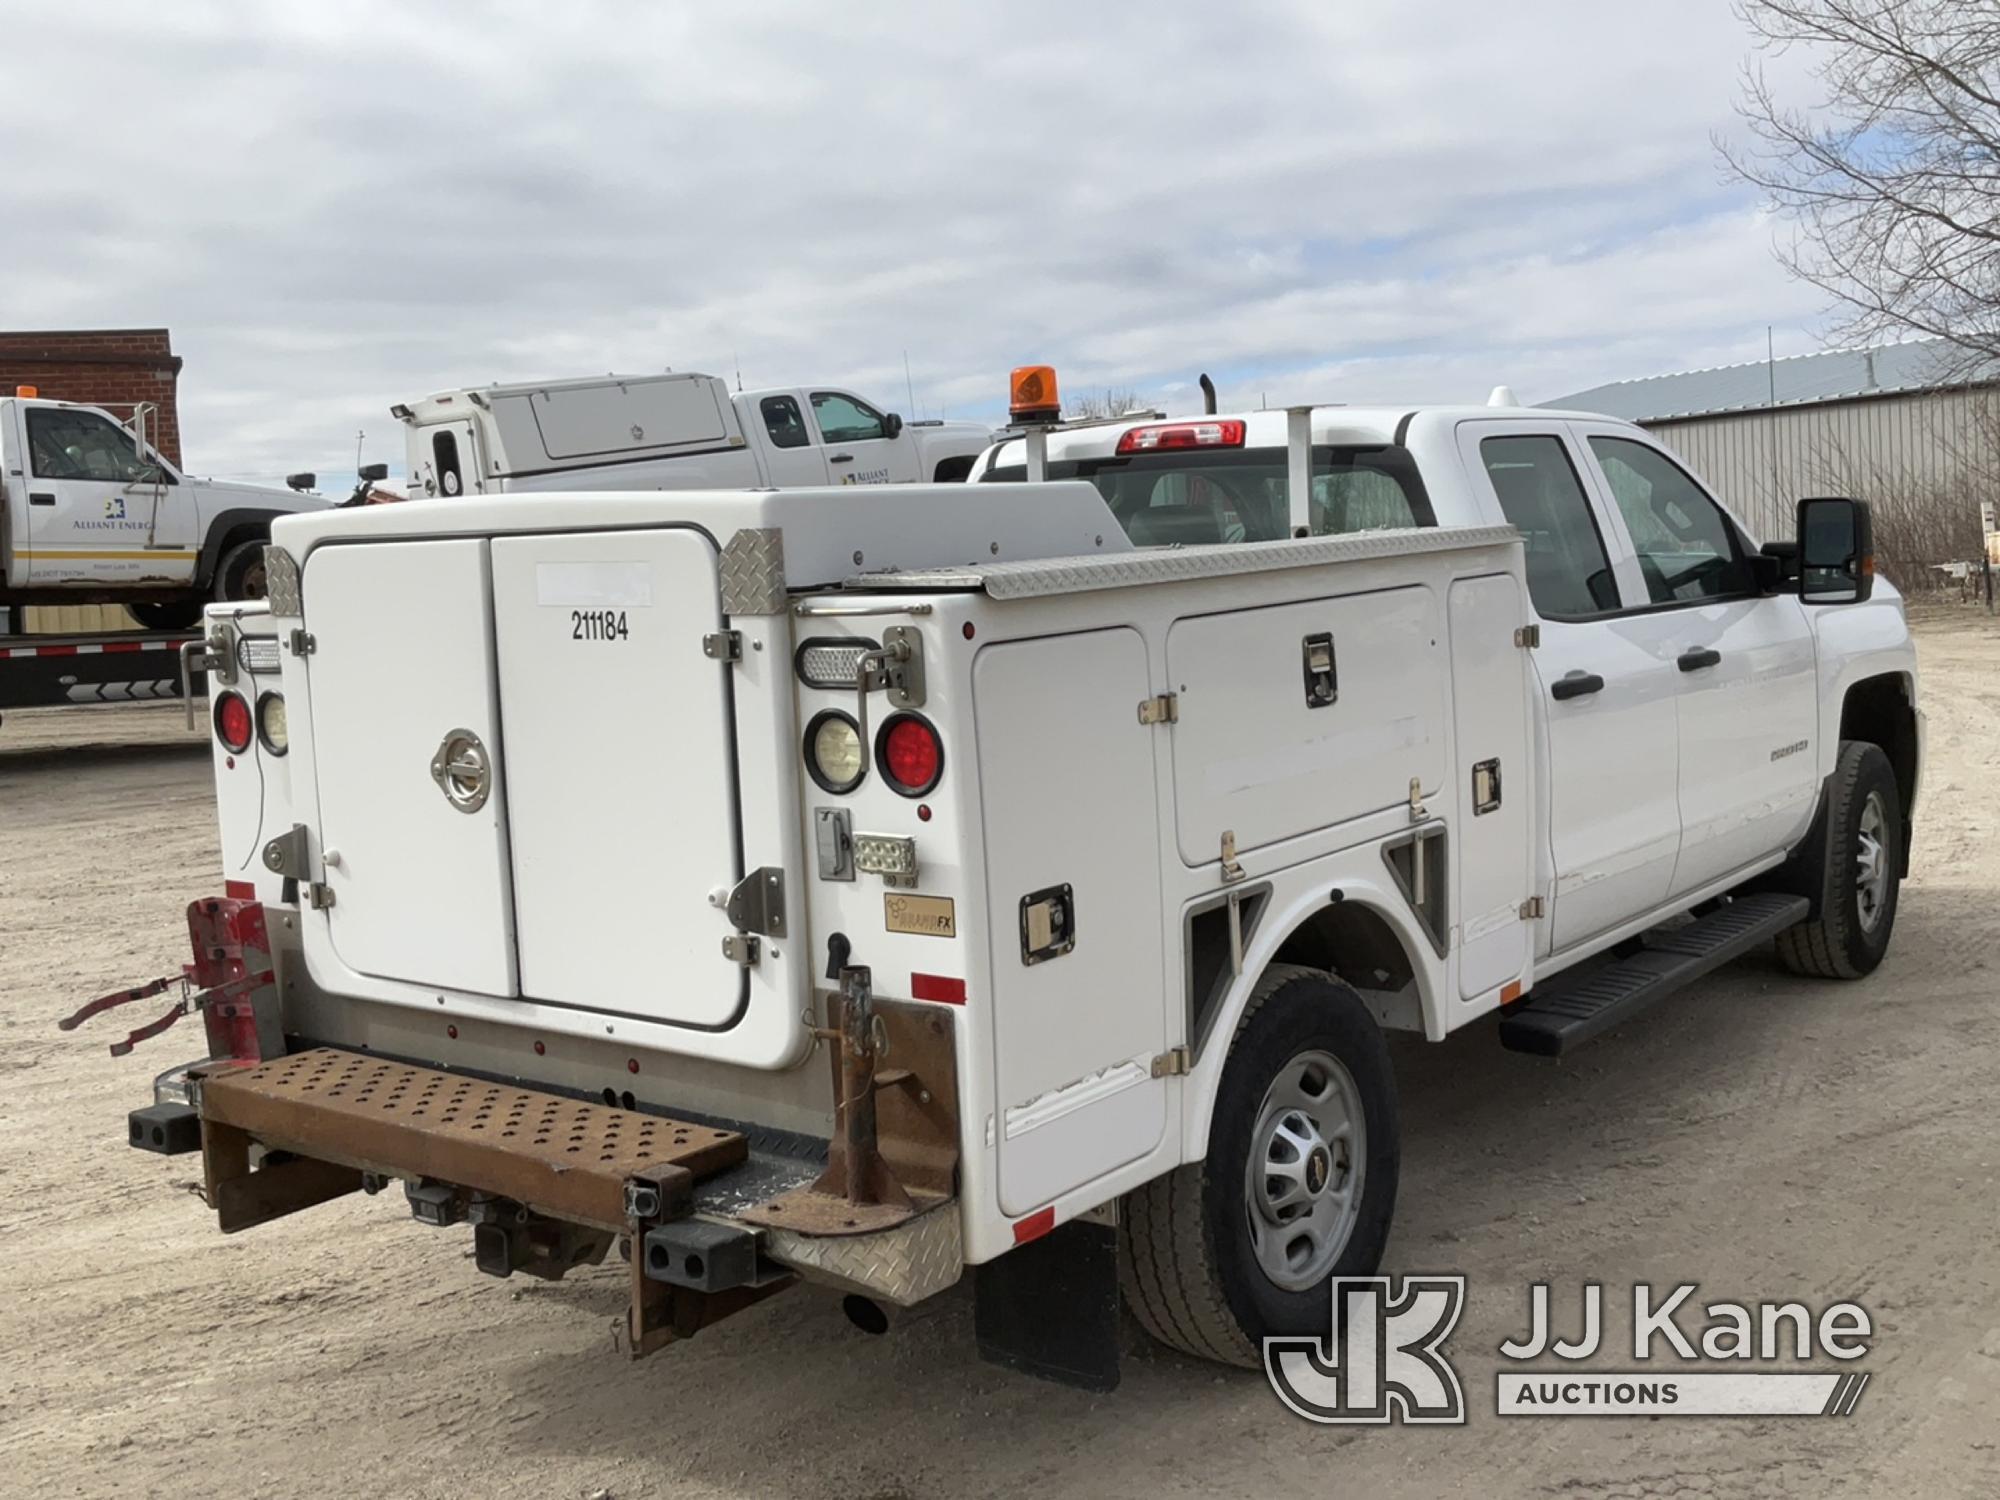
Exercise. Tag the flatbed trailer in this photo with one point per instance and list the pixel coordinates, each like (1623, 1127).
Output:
(124, 666)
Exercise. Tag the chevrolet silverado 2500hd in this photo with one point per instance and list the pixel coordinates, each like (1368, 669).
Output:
(1014, 878)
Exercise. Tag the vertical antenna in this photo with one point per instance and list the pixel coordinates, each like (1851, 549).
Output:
(737, 360)
(358, 436)
(910, 387)
(1771, 422)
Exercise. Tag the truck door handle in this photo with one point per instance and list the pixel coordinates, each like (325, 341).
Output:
(1576, 685)
(841, 458)
(1694, 661)
(40, 499)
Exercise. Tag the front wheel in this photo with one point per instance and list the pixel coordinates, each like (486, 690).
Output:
(1298, 1186)
(1863, 873)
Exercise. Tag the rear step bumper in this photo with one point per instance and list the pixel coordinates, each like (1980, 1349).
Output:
(548, 1182)
(1564, 1014)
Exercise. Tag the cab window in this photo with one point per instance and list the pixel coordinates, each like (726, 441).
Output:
(83, 445)
(784, 422)
(843, 419)
(1687, 548)
(1569, 575)
(1238, 495)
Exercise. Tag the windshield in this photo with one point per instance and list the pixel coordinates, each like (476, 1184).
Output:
(1238, 495)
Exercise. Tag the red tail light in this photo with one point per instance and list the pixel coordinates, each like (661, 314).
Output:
(233, 723)
(1160, 436)
(910, 754)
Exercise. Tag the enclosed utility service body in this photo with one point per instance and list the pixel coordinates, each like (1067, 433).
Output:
(860, 886)
(669, 432)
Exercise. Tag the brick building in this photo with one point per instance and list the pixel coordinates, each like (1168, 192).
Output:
(114, 368)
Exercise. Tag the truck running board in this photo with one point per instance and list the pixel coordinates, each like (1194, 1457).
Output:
(1563, 1014)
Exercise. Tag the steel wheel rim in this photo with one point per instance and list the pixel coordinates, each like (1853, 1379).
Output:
(1872, 863)
(1302, 1187)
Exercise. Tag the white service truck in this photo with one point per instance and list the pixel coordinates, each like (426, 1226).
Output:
(91, 513)
(1015, 878)
(670, 432)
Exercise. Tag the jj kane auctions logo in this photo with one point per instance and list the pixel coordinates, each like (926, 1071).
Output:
(1383, 1359)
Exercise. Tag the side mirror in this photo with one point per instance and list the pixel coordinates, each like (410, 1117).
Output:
(892, 425)
(372, 473)
(1836, 551)
(301, 482)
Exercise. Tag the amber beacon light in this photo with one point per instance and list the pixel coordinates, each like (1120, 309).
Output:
(1032, 394)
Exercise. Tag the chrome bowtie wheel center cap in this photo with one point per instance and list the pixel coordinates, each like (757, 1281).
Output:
(1302, 1185)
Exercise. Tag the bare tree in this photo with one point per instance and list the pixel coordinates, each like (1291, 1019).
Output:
(1110, 402)
(1892, 178)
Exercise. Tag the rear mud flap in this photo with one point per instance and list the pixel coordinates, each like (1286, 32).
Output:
(1050, 1308)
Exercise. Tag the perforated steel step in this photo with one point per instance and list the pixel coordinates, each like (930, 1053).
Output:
(563, 1157)
(1563, 1013)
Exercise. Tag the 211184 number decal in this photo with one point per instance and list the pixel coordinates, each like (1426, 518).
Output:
(598, 625)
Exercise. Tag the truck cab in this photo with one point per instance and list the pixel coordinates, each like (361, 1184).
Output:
(675, 431)
(93, 513)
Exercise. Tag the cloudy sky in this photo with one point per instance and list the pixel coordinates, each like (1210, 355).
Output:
(339, 205)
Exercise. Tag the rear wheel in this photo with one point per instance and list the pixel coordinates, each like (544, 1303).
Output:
(1863, 874)
(1298, 1186)
(239, 575)
(173, 616)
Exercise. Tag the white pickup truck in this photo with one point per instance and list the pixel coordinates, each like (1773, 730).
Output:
(92, 514)
(669, 432)
(862, 888)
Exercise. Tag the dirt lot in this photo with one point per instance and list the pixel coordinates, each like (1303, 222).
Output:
(1768, 1137)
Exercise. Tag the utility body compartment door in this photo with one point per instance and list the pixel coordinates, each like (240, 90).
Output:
(1259, 754)
(1061, 753)
(621, 772)
(402, 660)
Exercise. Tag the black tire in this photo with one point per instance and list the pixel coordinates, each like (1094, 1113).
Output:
(1844, 941)
(1186, 1260)
(240, 573)
(172, 616)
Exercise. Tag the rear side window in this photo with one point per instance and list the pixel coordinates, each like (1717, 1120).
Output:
(1569, 574)
(1687, 548)
(1238, 495)
(444, 458)
(785, 423)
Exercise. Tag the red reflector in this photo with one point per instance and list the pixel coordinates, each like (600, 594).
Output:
(1037, 1224)
(911, 755)
(239, 890)
(937, 987)
(232, 722)
(1182, 435)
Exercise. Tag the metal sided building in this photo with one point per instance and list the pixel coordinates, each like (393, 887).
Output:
(1914, 421)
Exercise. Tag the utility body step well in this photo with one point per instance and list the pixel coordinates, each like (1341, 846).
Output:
(1565, 1013)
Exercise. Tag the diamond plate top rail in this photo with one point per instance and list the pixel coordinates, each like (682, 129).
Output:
(1124, 570)
(564, 1157)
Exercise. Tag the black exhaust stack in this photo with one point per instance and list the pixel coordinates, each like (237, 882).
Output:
(1208, 395)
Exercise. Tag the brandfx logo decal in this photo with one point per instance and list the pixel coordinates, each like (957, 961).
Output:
(1380, 1361)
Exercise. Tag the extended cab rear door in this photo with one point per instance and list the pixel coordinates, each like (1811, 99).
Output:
(790, 444)
(1606, 698)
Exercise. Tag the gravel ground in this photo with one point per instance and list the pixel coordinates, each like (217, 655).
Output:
(1766, 1136)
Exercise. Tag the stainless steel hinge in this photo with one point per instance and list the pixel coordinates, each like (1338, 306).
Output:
(740, 948)
(723, 645)
(1532, 909)
(302, 643)
(757, 902)
(1528, 637)
(1165, 709)
(286, 854)
(1173, 1063)
(321, 896)
(1231, 870)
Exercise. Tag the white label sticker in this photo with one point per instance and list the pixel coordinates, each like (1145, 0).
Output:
(594, 585)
